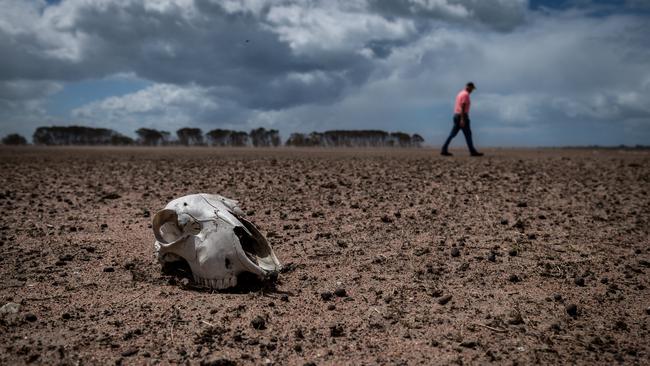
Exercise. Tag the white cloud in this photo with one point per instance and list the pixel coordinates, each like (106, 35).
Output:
(162, 106)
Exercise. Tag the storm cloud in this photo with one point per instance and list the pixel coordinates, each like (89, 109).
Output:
(294, 65)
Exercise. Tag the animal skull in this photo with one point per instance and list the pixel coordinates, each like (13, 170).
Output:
(209, 232)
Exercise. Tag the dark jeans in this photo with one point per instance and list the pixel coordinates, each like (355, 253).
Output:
(466, 131)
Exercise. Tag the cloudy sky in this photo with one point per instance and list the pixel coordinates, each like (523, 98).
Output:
(548, 72)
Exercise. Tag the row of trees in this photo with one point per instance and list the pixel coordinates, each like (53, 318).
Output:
(355, 138)
(259, 137)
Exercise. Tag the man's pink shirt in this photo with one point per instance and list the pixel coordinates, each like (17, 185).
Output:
(462, 98)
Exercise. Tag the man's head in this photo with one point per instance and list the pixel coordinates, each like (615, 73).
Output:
(470, 87)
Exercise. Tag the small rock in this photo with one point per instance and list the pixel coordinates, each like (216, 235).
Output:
(30, 317)
(9, 308)
(331, 307)
(66, 316)
(258, 323)
(469, 344)
(504, 222)
(514, 278)
(579, 281)
(326, 295)
(387, 219)
(130, 352)
(455, 252)
(340, 292)
(111, 196)
(557, 297)
(336, 330)
(218, 362)
(109, 269)
(444, 300)
(513, 252)
(516, 319)
(146, 213)
(492, 257)
(284, 298)
(572, 310)
(604, 280)
(184, 282)
(647, 310)
(522, 204)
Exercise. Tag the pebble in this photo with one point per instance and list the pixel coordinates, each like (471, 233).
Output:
(455, 252)
(30, 317)
(647, 310)
(444, 300)
(336, 330)
(513, 252)
(572, 310)
(492, 257)
(340, 292)
(557, 297)
(326, 295)
(469, 344)
(514, 278)
(504, 222)
(258, 323)
(109, 269)
(331, 307)
(579, 281)
(130, 352)
(9, 308)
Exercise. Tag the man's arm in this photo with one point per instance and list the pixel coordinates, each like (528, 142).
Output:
(463, 113)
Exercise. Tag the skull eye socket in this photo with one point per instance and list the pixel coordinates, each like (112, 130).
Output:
(255, 246)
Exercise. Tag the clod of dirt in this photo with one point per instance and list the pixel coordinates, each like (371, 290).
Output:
(579, 281)
(111, 196)
(219, 362)
(340, 292)
(258, 323)
(492, 257)
(469, 344)
(444, 300)
(516, 319)
(572, 310)
(9, 308)
(455, 252)
(130, 352)
(326, 295)
(514, 278)
(337, 330)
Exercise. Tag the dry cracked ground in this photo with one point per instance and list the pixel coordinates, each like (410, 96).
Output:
(390, 257)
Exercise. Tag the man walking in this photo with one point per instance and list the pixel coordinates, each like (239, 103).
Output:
(461, 121)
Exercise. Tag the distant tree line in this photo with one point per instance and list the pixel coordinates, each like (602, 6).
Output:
(187, 136)
(355, 138)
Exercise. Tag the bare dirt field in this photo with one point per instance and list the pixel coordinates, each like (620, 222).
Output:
(390, 257)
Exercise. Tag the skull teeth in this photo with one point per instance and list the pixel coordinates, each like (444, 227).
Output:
(217, 284)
